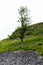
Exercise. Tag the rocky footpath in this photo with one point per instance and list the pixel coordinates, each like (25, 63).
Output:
(21, 58)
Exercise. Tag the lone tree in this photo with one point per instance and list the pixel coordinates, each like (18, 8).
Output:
(24, 19)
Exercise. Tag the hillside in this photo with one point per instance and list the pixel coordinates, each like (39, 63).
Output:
(32, 30)
(36, 29)
(34, 43)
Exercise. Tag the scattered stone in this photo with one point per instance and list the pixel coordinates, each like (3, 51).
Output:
(21, 58)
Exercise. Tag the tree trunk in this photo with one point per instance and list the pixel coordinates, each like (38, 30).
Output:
(21, 41)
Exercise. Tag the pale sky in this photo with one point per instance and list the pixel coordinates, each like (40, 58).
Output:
(9, 14)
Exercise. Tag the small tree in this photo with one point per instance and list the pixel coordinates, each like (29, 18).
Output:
(23, 19)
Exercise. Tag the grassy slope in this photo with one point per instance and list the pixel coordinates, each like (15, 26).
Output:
(34, 43)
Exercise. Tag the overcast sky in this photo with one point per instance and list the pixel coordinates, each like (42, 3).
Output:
(9, 14)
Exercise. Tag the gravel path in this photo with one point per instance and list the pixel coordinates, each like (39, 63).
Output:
(21, 58)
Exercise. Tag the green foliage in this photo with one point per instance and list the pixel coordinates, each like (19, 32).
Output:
(12, 36)
(23, 15)
(23, 19)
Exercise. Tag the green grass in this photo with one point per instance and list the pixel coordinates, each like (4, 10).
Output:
(34, 43)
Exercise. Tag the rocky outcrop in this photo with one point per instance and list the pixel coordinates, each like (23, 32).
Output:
(21, 58)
